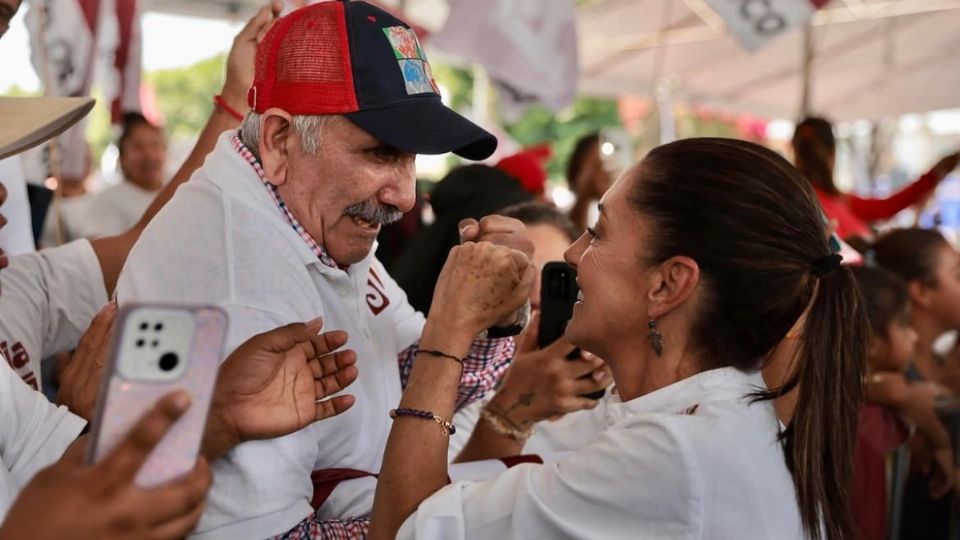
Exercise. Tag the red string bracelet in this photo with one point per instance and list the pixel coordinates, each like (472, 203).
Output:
(222, 103)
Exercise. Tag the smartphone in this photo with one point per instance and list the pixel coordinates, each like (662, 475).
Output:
(157, 349)
(558, 294)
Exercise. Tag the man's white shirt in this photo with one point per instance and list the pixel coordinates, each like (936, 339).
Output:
(47, 300)
(222, 240)
(34, 433)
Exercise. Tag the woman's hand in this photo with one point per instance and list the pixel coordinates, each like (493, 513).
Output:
(240, 61)
(80, 381)
(276, 383)
(101, 501)
(942, 472)
(544, 383)
(480, 284)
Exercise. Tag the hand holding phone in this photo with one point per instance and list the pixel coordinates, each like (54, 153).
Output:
(101, 500)
(159, 349)
(558, 294)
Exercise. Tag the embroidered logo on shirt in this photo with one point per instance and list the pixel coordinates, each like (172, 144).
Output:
(413, 63)
(377, 299)
(692, 410)
(18, 359)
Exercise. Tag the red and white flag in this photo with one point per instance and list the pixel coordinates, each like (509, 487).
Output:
(63, 44)
(755, 22)
(64, 54)
(124, 93)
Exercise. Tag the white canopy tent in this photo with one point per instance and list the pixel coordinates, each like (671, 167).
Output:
(429, 13)
(870, 58)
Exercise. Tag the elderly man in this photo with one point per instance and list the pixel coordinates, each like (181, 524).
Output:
(280, 225)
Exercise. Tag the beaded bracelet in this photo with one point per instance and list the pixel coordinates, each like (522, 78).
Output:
(446, 428)
(441, 354)
(501, 426)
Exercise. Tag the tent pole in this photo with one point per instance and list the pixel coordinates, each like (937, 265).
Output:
(807, 67)
(481, 95)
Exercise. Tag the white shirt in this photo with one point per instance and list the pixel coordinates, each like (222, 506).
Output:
(65, 216)
(655, 471)
(222, 240)
(47, 300)
(112, 210)
(16, 236)
(33, 434)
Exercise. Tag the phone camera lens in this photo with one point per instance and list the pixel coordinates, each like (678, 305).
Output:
(169, 361)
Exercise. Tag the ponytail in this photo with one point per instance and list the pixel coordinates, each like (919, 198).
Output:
(820, 441)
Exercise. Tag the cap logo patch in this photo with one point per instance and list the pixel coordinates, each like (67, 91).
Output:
(413, 63)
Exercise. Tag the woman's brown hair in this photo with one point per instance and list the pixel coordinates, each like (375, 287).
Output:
(814, 148)
(910, 253)
(754, 227)
(885, 297)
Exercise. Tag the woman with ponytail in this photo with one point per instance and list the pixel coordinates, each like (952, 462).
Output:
(706, 254)
(814, 151)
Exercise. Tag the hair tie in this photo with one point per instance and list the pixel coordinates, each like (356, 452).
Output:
(826, 264)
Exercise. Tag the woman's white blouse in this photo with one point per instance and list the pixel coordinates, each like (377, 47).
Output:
(692, 460)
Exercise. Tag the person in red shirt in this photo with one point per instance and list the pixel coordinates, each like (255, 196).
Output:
(814, 150)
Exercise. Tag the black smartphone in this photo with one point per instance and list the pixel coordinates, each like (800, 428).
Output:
(558, 294)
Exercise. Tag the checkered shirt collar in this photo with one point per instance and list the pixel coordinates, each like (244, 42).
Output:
(248, 156)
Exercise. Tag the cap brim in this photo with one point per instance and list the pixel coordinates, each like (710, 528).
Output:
(27, 122)
(426, 127)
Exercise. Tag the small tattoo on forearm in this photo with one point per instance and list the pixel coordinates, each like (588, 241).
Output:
(524, 399)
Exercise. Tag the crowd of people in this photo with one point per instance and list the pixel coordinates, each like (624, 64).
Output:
(724, 373)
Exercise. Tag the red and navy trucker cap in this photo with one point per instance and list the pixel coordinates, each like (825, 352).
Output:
(351, 58)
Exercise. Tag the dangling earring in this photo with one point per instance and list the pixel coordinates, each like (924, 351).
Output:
(655, 337)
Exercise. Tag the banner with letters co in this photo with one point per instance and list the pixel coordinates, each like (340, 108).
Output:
(756, 22)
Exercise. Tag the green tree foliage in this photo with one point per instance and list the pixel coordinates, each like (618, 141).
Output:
(16, 91)
(184, 95)
(99, 132)
(539, 124)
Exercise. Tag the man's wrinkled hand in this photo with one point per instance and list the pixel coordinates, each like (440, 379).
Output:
(500, 230)
(80, 381)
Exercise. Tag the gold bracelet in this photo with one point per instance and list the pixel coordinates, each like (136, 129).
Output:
(500, 425)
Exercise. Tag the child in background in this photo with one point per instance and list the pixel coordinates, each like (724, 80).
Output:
(930, 266)
(891, 399)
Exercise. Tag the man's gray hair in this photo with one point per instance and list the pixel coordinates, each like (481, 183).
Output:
(308, 127)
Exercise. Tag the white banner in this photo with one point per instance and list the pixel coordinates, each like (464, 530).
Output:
(62, 50)
(529, 48)
(755, 22)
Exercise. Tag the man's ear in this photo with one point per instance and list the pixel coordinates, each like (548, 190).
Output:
(671, 285)
(276, 139)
